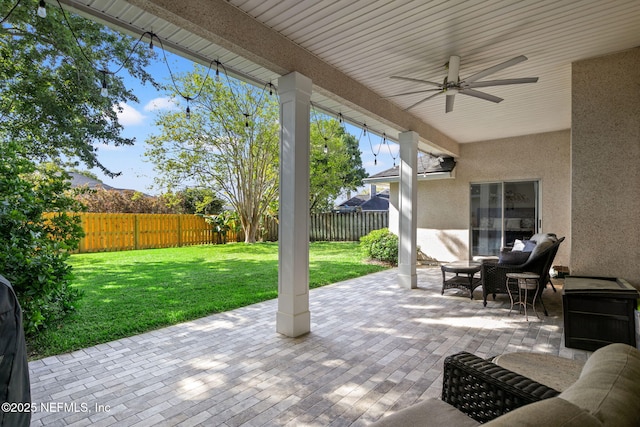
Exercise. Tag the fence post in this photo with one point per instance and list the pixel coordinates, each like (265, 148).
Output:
(136, 233)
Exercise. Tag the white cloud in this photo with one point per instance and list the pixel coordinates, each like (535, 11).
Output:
(162, 103)
(128, 116)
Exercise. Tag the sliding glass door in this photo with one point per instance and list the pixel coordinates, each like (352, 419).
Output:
(502, 212)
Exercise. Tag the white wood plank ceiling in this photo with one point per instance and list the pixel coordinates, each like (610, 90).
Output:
(369, 41)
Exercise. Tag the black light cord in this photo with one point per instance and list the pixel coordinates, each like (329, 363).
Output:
(10, 12)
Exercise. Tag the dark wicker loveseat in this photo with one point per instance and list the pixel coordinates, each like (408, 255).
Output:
(477, 391)
(494, 274)
(484, 390)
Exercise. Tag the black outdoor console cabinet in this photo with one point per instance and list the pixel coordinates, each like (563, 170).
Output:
(598, 311)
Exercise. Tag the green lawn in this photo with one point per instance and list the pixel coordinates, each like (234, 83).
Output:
(126, 293)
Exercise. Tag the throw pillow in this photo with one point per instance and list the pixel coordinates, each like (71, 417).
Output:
(513, 257)
(529, 245)
(518, 245)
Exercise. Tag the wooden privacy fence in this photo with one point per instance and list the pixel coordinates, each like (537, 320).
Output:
(108, 232)
(345, 227)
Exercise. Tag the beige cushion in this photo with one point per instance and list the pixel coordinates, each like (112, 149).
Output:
(555, 412)
(431, 412)
(609, 386)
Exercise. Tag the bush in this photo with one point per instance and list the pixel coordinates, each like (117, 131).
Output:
(381, 245)
(34, 246)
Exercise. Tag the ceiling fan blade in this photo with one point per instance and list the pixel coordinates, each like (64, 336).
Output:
(410, 93)
(409, 79)
(449, 106)
(481, 95)
(454, 69)
(423, 100)
(488, 83)
(496, 68)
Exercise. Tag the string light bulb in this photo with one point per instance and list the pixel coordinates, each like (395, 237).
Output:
(151, 43)
(188, 110)
(104, 91)
(217, 71)
(326, 147)
(42, 9)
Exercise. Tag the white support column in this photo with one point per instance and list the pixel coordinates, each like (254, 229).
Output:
(293, 318)
(407, 207)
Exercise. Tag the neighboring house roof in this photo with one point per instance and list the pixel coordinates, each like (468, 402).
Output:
(364, 202)
(429, 167)
(79, 180)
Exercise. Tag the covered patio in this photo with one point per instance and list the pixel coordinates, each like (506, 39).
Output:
(351, 352)
(374, 348)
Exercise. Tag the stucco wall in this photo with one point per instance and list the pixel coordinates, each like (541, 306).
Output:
(606, 166)
(443, 205)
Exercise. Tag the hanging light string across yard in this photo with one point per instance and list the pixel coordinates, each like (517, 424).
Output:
(246, 113)
(105, 72)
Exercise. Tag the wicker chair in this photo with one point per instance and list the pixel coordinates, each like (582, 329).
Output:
(484, 390)
(494, 274)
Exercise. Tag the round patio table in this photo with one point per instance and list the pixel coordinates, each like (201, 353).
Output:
(464, 276)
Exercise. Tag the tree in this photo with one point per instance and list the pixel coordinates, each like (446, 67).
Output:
(229, 143)
(187, 201)
(52, 112)
(335, 166)
(193, 200)
(121, 201)
(51, 74)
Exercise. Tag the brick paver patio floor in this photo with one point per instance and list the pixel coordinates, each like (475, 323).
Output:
(374, 348)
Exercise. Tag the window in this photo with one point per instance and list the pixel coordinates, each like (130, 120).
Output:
(502, 212)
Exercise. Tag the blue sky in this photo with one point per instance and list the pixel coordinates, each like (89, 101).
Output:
(138, 122)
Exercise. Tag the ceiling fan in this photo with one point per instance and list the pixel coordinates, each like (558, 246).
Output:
(453, 84)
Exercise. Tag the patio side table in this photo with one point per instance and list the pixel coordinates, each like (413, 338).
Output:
(526, 282)
(468, 281)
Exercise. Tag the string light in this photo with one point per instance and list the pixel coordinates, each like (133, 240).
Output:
(104, 91)
(391, 154)
(42, 9)
(104, 82)
(104, 88)
(188, 110)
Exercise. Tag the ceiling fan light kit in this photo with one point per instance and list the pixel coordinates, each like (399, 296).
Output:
(453, 85)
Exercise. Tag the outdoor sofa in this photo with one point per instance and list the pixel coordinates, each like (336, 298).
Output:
(478, 391)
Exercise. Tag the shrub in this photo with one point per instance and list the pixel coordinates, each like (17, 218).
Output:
(34, 247)
(381, 245)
